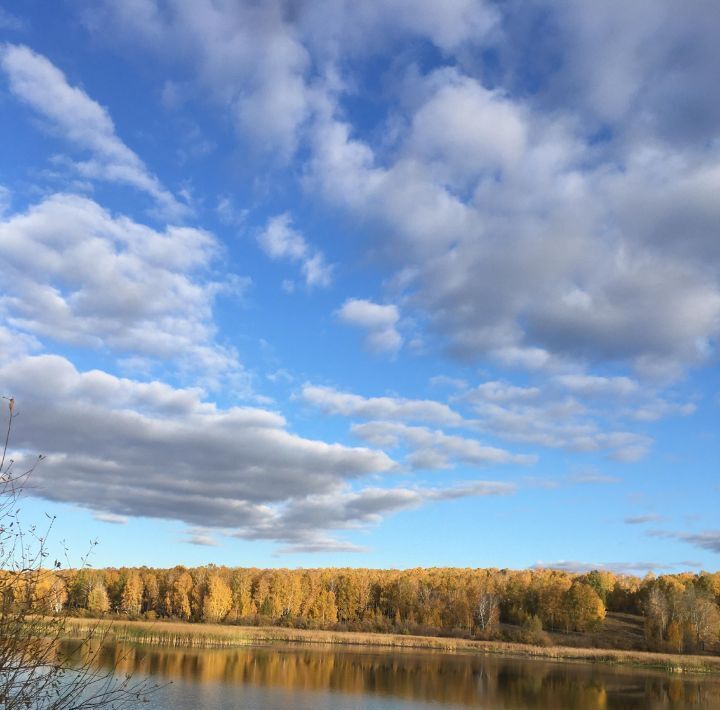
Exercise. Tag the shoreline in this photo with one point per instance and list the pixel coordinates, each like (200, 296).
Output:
(179, 634)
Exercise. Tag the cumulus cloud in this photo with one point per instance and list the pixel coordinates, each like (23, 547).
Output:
(464, 131)
(350, 28)
(332, 401)
(704, 540)
(547, 256)
(75, 274)
(433, 449)
(559, 423)
(632, 569)
(379, 321)
(576, 411)
(300, 524)
(247, 57)
(5, 200)
(128, 448)
(522, 414)
(637, 402)
(593, 477)
(446, 381)
(82, 122)
(642, 519)
(625, 66)
(123, 448)
(266, 65)
(547, 417)
(279, 240)
(569, 228)
(660, 408)
(201, 537)
(571, 222)
(110, 518)
(13, 344)
(497, 391)
(596, 386)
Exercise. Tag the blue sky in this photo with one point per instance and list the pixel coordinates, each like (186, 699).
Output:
(378, 284)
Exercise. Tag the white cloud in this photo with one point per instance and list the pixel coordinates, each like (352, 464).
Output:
(629, 67)
(316, 271)
(704, 540)
(128, 448)
(228, 213)
(529, 415)
(279, 240)
(110, 518)
(352, 28)
(300, 525)
(592, 477)
(496, 391)
(380, 322)
(433, 449)
(9, 21)
(547, 257)
(574, 222)
(659, 408)
(642, 519)
(332, 401)
(525, 358)
(84, 123)
(14, 344)
(265, 66)
(708, 540)
(201, 537)
(558, 423)
(465, 132)
(5, 200)
(446, 381)
(246, 56)
(76, 274)
(633, 569)
(596, 386)
(124, 448)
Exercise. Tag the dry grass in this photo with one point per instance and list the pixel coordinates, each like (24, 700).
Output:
(620, 632)
(179, 634)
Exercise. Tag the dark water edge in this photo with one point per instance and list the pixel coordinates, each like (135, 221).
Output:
(285, 676)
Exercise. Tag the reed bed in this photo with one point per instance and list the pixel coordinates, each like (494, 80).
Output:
(187, 635)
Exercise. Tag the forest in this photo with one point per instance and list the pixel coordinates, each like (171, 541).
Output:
(680, 613)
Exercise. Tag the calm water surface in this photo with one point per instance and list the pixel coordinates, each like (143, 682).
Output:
(285, 677)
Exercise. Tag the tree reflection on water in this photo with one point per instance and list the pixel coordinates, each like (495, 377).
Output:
(451, 679)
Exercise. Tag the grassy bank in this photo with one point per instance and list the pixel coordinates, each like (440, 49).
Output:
(179, 634)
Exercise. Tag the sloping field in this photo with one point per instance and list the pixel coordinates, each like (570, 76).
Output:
(618, 631)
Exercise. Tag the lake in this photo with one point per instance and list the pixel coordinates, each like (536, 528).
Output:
(282, 677)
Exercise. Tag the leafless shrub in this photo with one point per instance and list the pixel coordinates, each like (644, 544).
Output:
(36, 669)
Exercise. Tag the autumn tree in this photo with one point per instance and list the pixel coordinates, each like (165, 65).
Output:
(181, 587)
(132, 595)
(602, 582)
(151, 592)
(551, 602)
(584, 608)
(486, 598)
(218, 599)
(98, 600)
(49, 593)
(701, 616)
(241, 585)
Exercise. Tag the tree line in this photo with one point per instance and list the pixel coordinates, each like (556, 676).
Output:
(680, 611)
